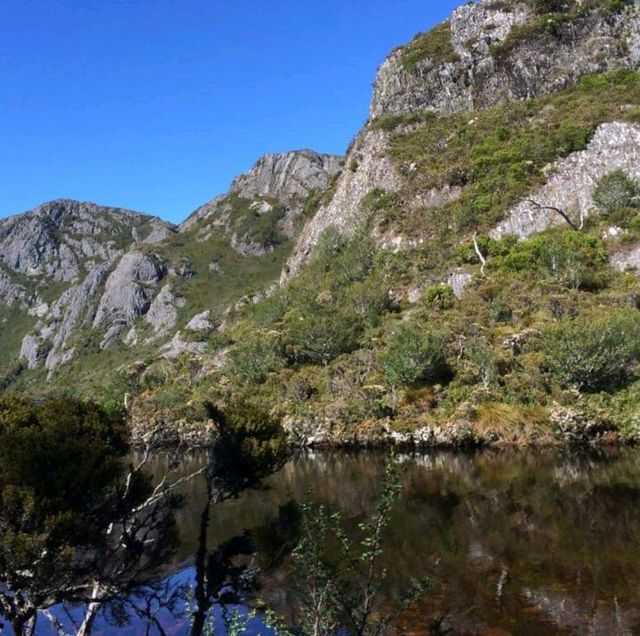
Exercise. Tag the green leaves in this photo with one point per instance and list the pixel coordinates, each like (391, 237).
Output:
(593, 354)
(413, 357)
(571, 258)
(614, 193)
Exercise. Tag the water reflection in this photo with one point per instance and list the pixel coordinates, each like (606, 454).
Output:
(526, 543)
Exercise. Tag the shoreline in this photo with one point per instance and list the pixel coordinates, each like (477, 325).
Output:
(460, 436)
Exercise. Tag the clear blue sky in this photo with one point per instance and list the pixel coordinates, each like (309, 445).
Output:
(155, 105)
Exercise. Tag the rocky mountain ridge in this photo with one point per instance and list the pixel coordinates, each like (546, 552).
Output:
(115, 267)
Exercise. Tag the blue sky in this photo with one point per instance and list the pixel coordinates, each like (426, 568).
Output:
(155, 105)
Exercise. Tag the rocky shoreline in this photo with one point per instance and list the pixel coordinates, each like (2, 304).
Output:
(567, 427)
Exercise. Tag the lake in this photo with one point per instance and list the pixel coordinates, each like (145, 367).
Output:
(517, 542)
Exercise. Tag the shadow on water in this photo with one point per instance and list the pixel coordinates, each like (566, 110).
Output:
(522, 542)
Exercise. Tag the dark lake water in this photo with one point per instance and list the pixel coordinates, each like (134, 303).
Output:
(524, 542)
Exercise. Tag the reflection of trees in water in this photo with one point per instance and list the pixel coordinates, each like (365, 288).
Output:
(500, 523)
(77, 530)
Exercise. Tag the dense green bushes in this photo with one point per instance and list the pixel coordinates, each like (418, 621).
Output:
(570, 258)
(322, 313)
(617, 197)
(414, 357)
(255, 355)
(593, 353)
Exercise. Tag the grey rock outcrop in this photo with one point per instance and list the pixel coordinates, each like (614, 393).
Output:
(128, 294)
(572, 181)
(287, 177)
(163, 311)
(9, 292)
(30, 351)
(477, 76)
(50, 342)
(628, 261)
(458, 281)
(178, 346)
(200, 322)
(56, 240)
(368, 168)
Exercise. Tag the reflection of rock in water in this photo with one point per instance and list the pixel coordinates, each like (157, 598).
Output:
(584, 616)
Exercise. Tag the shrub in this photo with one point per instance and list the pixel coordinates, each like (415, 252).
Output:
(255, 355)
(413, 357)
(436, 45)
(593, 354)
(552, 6)
(572, 258)
(440, 296)
(321, 332)
(615, 192)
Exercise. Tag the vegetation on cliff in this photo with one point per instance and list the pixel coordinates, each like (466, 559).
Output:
(545, 325)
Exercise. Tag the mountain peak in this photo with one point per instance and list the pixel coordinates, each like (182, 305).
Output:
(499, 51)
(288, 174)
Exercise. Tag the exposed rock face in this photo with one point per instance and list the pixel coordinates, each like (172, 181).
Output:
(163, 311)
(458, 280)
(478, 76)
(288, 177)
(573, 180)
(56, 240)
(200, 322)
(627, 261)
(30, 351)
(128, 293)
(368, 168)
(178, 346)
(9, 292)
(75, 308)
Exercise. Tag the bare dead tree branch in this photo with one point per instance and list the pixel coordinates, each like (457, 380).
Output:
(559, 211)
(483, 260)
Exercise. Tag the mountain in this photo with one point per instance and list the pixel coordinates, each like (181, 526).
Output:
(77, 279)
(466, 275)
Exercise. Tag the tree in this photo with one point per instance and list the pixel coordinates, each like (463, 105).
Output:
(75, 525)
(337, 583)
(79, 525)
(615, 192)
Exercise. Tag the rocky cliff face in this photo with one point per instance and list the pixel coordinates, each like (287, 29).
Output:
(495, 52)
(55, 261)
(488, 53)
(287, 178)
(367, 168)
(59, 239)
